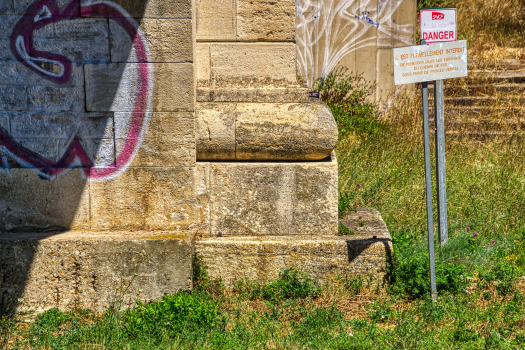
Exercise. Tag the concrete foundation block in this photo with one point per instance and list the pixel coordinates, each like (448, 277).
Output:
(92, 270)
(323, 257)
(264, 198)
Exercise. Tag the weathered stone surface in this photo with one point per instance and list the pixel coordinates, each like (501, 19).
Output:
(216, 20)
(100, 151)
(21, 6)
(5, 49)
(253, 65)
(44, 147)
(15, 73)
(215, 132)
(202, 62)
(6, 7)
(323, 257)
(13, 98)
(77, 50)
(92, 270)
(56, 99)
(256, 131)
(273, 198)
(156, 8)
(61, 125)
(265, 20)
(109, 87)
(272, 95)
(146, 199)
(168, 141)
(169, 41)
(304, 131)
(4, 121)
(7, 23)
(82, 28)
(28, 201)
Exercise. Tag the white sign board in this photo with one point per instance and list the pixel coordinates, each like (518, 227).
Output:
(438, 25)
(415, 64)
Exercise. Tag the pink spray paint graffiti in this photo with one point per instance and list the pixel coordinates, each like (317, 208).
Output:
(45, 12)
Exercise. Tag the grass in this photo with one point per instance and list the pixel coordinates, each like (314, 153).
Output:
(494, 29)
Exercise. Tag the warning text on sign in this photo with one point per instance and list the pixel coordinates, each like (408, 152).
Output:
(416, 64)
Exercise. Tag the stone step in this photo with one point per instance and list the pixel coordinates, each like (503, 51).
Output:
(477, 111)
(485, 124)
(481, 89)
(497, 76)
(508, 64)
(365, 252)
(483, 135)
(91, 270)
(482, 100)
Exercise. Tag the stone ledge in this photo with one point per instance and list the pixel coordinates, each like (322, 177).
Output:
(323, 257)
(83, 269)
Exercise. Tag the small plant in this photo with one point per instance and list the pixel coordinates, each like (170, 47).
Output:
(201, 280)
(344, 231)
(354, 285)
(291, 284)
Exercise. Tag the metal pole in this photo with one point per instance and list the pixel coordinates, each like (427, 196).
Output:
(441, 180)
(428, 181)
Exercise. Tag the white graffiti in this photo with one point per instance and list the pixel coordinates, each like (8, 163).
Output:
(328, 30)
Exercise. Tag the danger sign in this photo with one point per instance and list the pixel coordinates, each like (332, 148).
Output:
(438, 25)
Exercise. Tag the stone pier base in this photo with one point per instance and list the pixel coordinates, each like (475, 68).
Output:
(91, 270)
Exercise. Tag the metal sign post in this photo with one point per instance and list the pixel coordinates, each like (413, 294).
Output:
(441, 177)
(426, 63)
(428, 182)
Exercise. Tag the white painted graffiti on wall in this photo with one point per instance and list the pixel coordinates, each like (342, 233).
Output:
(328, 30)
(51, 117)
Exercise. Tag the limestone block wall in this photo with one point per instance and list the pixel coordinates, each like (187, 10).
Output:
(356, 34)
(97, 115)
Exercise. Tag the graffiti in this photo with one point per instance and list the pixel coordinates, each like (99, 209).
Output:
(57, 68)
(328, 30)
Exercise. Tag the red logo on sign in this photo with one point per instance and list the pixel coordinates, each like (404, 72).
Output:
(437, 16)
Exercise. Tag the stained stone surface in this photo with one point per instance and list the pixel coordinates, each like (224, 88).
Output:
(91, 270)
(322, 256)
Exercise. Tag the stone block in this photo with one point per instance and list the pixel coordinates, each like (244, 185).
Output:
(155, 9)
(100, 151)
(30, 202)
(215, 132)
(44, 147)
(216, 20)
(7, 24)
(20, 6)
(16, 73)
(202, 191)
(13, 98)
(6, 7)
(111, 87)
(266, 20)
(168, 141)
(77, 50)
(323, 257)
(270, 95)
(82, 28)
(61, 125)
(287, 131)
(202, 62)
(56, 99)
(366, 64)
(4, 121)
(253, 65)
(5, 49)
(260, 199)
(146, 199)
(169, 41)
(90, 270)
(257, 131)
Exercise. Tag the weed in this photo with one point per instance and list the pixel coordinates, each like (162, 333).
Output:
(343, 230)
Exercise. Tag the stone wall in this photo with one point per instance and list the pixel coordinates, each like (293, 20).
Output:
(97, 115)
(356, 34)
